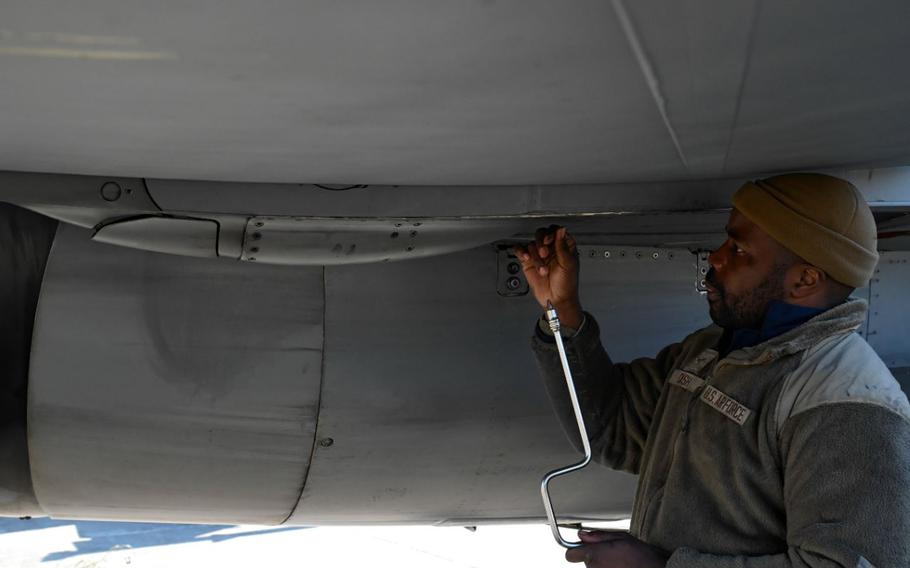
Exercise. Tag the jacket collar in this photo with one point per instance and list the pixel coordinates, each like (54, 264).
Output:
(839, 320)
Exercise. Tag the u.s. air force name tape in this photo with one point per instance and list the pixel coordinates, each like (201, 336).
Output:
(711, 396)
(725, 405)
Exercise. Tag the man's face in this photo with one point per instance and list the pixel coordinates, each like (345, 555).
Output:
(747, 272)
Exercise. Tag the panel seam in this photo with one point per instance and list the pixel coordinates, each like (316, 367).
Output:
(306, 472)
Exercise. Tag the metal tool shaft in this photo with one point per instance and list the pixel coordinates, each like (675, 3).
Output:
(553, 320)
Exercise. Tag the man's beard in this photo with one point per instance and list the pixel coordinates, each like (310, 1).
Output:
(746, 310)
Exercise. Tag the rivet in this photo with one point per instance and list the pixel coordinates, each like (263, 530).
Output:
(592, 254)
(638, 254)
(513, 283)
(259, 223)
(257, 236)
(606, 254)
(418, 224)
(513, 268)
(703, 270)
(394, 235)
(326, 442)
(111, 191)
(410, 249)
(655, 255)
(254, 249)
(397, 224)
(252, 259)
(413, 233)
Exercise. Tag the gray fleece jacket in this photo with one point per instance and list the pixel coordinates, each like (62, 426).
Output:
(794, 452)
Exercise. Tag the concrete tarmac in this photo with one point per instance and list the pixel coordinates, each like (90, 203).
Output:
(46, 543)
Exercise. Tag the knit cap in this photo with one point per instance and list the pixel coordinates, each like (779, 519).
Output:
(821, 218)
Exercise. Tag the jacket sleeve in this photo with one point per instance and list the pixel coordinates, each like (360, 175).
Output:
(618, 400)
(846, 491)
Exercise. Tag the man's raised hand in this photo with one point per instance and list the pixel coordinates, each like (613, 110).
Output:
(550, 265)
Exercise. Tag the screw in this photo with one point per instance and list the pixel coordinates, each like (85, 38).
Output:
(111, 191)
(326, 442)
(410, 249)
(413, 233)
(254, 249)
(513, 283)
(394, 235)
(513, 268)
(259, 223)
(397, 224)
(257, 236)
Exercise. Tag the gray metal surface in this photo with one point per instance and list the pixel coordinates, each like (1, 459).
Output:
(417, 92)
(337, 241)
(432, 401)
(889, 315)
(181, 236)
(25, 241)
(173, 389)
(883, 188)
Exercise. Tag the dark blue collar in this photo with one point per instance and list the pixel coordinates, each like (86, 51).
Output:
(780, 318)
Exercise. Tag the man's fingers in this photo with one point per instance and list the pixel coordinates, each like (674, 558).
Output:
(545, 239)
(579, 554)
(565, 248)
(539, 236)
(534, 255)
(591, 537)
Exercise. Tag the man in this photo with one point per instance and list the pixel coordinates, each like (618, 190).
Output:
(776, 437)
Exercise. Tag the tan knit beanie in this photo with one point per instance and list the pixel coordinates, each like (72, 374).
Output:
(821, 218)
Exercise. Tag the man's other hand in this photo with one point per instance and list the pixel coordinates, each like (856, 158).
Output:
(615, 549)
(550, 265)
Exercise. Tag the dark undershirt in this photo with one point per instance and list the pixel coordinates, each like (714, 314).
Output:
(780, 318)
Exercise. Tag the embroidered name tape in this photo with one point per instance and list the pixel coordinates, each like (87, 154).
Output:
(725, 405)
(686, 380)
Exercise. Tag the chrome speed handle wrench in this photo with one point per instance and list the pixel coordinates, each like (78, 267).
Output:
(553, 321)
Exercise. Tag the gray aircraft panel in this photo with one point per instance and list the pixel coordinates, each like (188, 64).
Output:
(169, 388)
(889, 326)
(432, 410)
(817, 81)
(440, 93)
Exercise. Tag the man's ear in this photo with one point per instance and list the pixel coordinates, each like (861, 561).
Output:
(811, 281)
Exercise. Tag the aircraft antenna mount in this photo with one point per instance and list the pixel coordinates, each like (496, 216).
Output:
(553, 321)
